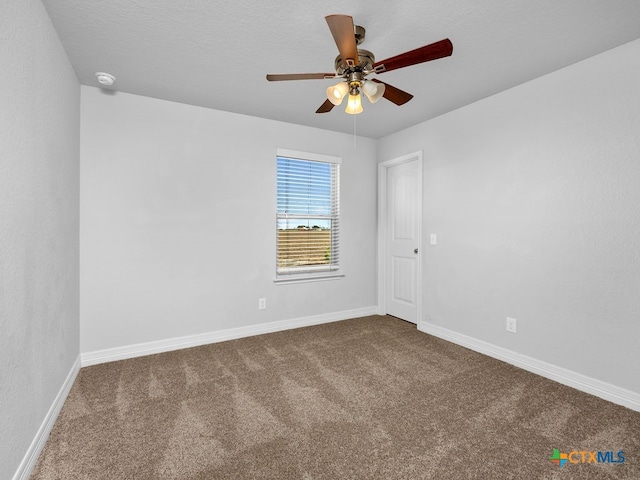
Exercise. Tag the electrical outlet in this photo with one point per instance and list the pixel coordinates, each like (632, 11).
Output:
(433, 239)
(511, 325)
(262, 303)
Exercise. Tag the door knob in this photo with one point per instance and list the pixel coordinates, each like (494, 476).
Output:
(415, 250)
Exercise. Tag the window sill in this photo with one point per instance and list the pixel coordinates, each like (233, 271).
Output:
(302, 278)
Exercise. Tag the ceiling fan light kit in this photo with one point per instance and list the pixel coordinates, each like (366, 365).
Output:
(352, 65)
(354, 104)
(373, 91)
(335, 93)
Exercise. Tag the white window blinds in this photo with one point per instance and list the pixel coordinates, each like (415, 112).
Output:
(307, 218)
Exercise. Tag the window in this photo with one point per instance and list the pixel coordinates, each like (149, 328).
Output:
(307, 221)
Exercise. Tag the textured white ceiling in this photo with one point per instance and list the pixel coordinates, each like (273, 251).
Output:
(215, 53)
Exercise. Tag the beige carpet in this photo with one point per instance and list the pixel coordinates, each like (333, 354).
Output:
(368, 398)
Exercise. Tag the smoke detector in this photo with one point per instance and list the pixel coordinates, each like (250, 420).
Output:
(105, 79)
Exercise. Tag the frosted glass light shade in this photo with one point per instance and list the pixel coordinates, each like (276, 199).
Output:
(373, 91)
(335, 93)
(354, 105)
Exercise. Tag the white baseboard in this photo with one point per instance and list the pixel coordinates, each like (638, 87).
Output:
(31, 457)
(177, 343)
(612, 393)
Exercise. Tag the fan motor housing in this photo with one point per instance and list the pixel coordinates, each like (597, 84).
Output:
(366, 60)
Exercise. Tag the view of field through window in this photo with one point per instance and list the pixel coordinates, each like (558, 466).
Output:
(306, 214)
(300, 247)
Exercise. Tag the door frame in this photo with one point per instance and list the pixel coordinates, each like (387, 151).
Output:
(383, 168)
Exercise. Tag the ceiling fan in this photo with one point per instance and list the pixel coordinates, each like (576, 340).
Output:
(353, 65)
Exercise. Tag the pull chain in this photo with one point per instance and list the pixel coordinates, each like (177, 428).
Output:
(354, 132)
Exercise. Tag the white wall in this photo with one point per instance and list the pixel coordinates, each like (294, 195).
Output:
(178, 221)
(535, 196)
(39, 175)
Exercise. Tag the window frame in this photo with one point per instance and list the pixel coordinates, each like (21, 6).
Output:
(311, 273)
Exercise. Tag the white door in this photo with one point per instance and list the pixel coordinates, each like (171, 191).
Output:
(402, 239)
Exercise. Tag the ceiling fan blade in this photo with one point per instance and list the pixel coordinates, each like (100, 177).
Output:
(393, 94)
(325, 107)
(440, 49)
(343, 32)
(277, 77)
